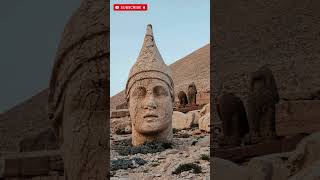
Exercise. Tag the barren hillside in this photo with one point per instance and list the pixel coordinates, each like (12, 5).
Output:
(27, 118)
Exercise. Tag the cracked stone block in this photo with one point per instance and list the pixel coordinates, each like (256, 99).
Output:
(293, 117)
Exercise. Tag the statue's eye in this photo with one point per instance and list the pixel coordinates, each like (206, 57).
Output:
(139, 92)
(160, 91)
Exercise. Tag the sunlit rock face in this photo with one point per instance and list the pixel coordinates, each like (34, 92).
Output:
(150, 95)
(78, 97)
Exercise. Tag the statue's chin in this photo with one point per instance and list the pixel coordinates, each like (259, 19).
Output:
(152, 128)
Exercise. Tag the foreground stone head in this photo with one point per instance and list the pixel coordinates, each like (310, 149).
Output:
(78, 97)
(150, 95)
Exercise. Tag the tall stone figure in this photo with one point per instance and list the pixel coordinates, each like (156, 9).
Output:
(263, 96)
(192, 94)
(78, 92)
(150, 95)
(233, 115)
(183, 100)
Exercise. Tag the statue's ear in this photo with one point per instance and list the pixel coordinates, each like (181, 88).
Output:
(128, 104)
(56, 118)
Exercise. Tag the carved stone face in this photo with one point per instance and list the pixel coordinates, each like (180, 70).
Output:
(150, 106)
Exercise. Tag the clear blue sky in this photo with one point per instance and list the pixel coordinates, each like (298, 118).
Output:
(179, 27)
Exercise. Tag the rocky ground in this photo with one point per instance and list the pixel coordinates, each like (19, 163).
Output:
(303, 163)
(186, 158)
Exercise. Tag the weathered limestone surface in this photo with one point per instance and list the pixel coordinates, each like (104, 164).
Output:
(234, 119)
(263, 96)
(301, 116)
(181, 120)
(301, 163)
(248, 34)
(30, 164)
(203, 98)
(150, 95)
(78, 98)
(120, 113)
(196, 116)
(45, 140)
(121, 125)
(204, 120)
(205, 109)
(227, 170)
(24, 120)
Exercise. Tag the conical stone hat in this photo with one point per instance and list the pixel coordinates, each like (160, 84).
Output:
(149, 65)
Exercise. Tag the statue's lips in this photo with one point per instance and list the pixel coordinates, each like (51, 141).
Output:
(150, 117)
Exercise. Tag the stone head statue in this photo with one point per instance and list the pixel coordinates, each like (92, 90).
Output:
(78, 92)
(150, 95)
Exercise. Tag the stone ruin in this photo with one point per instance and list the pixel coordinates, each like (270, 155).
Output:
(243, 138)
(233, 116)
(192, 94)
(183, 100)
(263, 97)
(45, 140)
(189, 99)
(260, 124)
(150, 95)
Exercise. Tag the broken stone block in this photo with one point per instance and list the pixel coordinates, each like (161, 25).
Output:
(120, 113)
(181, 120)
(301, 116)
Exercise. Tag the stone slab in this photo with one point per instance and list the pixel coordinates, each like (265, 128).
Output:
(300, 116)
(30, 164)
(203, 98)
(120, 113)
(122, 106)
(187, 108)
(244, 152)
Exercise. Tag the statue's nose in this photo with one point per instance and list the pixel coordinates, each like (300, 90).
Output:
(150, 103)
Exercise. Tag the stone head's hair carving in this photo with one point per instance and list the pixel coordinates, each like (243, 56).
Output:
(149, 65)
(69, 59)
(78, 92)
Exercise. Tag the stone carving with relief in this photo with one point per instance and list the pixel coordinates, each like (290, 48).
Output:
(77, 97)
(263, 96)
(150, 95)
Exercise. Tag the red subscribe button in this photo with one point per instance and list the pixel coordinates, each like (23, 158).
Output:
(130, 7)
